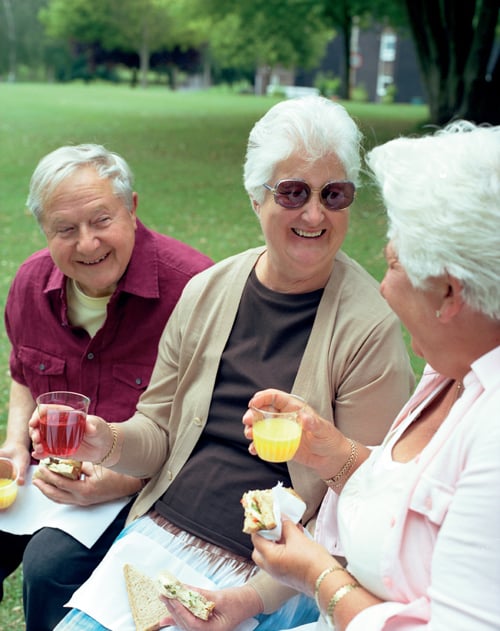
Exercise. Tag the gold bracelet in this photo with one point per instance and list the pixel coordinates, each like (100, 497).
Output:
(338, 479)
(114, 431)
(320, 579)
(339, 594)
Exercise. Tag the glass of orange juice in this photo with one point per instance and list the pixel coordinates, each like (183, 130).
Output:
(277, 433)
(8, 483)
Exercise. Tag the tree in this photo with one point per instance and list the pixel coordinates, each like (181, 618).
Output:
(249, 35)
(11, 39)
(141, 26)
(455, 44)
(23, 48)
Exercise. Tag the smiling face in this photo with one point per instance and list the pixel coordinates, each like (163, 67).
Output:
(90, 232)
(301, 243)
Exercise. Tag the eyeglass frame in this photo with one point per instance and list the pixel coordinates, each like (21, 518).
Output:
(274, 188)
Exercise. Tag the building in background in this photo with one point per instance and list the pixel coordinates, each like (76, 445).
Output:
(384, 66)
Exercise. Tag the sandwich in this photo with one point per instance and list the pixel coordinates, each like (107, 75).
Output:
(259, 506)
(259, 511)
(66, 467)
(143, 596)
(172, 587)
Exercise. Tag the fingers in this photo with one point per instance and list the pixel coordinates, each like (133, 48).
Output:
(271, 396)
(180, 616)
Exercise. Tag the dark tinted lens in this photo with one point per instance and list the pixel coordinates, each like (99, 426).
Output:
(292, 193)
(337, 195)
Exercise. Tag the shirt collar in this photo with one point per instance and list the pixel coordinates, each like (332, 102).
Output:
(486, 370)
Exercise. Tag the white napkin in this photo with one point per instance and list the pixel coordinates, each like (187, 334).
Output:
(319, 625)
(285, 503)
(107, 579)
(32, 510)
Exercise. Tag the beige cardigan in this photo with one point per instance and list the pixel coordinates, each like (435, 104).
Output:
(354, 368)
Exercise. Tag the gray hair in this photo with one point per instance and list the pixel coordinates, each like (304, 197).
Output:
(442, 194)
(313, 127)
(63, 162)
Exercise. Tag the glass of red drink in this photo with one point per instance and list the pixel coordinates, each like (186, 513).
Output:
(62, 421)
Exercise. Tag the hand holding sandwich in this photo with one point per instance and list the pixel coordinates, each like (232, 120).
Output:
(232, 606)
(90, 489)
(295, 560)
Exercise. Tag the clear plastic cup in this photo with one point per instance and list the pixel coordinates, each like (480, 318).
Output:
(8, 482)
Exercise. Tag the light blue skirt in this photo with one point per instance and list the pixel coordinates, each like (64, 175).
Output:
(223, 568)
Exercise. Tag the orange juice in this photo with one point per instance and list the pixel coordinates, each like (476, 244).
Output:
(8, 492)
(277, 439)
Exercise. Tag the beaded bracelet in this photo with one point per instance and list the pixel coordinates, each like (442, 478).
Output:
(320, 579)
(337, 597)
(338, 479)
(114, 432)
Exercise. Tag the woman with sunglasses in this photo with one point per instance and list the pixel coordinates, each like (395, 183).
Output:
(418, 517)
(296, 313)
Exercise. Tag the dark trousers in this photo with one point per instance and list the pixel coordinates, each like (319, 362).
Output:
(54, 566)
(12, 547)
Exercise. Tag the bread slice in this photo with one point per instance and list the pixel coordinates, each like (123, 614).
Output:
(259, 511)
(172, 587)
(143, 595)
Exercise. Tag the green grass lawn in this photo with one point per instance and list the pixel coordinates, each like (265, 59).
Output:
(187, 152)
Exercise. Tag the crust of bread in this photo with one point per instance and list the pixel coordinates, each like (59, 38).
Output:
(143, 596)
(172, 587)
(66, 467)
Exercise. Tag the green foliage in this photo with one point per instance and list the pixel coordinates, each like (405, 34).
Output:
(327, 84)
(390, 94)
(359, 93)
(186, 151)
(267, 32)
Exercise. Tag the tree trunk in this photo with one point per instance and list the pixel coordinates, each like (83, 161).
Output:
(454, 42)
(346, 28)
(11, 39)
(143, 65)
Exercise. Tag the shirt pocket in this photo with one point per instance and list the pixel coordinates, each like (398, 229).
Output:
(135, 376)
(43, 371)
(432, 498)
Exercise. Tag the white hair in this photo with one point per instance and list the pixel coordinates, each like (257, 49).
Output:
(442, 194)
(313, 127)
(64, 161)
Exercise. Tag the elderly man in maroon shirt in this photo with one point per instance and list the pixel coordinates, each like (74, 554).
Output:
(85, 314)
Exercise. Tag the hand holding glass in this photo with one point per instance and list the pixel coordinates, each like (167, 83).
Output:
(8, 482)
(62, 421)
(277, 433)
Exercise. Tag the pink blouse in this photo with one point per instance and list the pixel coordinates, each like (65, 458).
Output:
(424, 536)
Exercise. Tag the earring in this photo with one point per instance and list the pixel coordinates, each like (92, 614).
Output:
(438, 314)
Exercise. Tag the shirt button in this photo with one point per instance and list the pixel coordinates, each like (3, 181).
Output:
(138, 381)
(90, 355)
(41, 367)
(392, 522)
(197, 421)
(170, 475)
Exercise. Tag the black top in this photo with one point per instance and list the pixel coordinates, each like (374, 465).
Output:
(264, 350)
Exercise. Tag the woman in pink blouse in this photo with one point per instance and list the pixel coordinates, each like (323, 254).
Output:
(417, 518)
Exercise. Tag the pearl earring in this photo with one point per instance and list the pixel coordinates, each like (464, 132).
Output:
(438, 314)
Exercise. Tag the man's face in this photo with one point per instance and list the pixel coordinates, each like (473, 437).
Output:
(90, 232)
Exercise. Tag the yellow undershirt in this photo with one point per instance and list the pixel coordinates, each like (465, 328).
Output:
(85, 311)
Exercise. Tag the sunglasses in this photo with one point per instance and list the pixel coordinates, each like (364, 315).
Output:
(292, 194)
